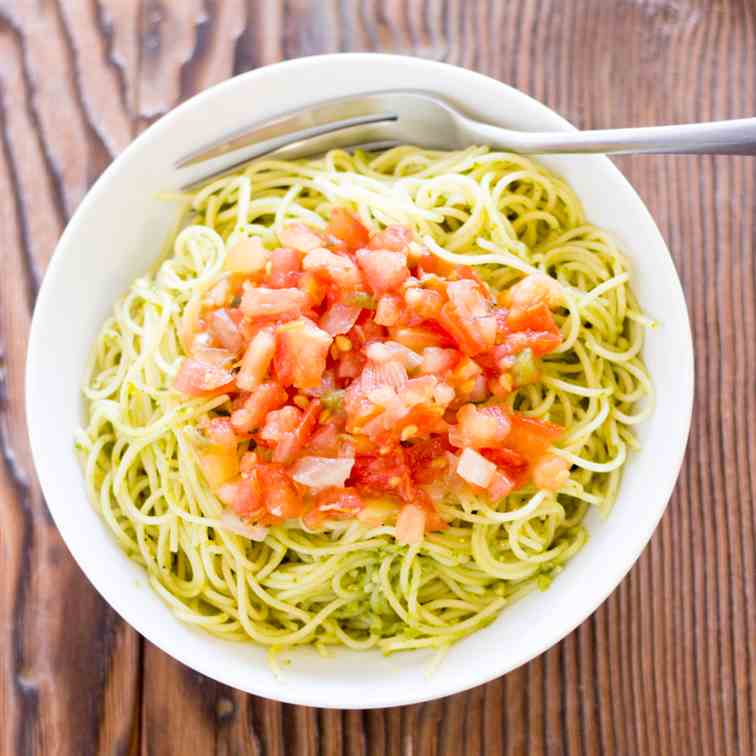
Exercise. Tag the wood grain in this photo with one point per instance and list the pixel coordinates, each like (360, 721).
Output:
(667, 664)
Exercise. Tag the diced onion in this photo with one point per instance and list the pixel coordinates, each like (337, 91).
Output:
(475, 468)
(385, 351)
(410, 525)
(322, 472)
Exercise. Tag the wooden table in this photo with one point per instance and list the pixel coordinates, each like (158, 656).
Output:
(666, 665)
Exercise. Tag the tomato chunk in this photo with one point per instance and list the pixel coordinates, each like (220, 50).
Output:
(339, 268)
(278, 423)
(551, 472)
(263, 302)
(292, 441)
(279, 492)
(427, 459)
(334, 504)
(225, 330)
(535, 289)
(410, 525)
(285, 268)
(386, 473)
(425, 302)
(257, 360)
(339, 318)
(393, 238)
(530, 436)
(468, 317)
(300, 236)
(301, 352)
(220, 432)
(384, 271)
(480, 428)
(345, 226)
(389, 310)
(218, 464)
(247, 256)
(198, 378)
(243, 496)
(439, 361)
(266, 397)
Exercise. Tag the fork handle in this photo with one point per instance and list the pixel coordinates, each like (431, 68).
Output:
(736, 137)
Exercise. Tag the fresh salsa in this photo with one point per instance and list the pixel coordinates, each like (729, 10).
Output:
(367, 379)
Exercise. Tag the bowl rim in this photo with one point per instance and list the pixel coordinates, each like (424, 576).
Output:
(109, 592)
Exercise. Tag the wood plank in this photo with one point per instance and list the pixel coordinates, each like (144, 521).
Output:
(666, 662)
(69, 670)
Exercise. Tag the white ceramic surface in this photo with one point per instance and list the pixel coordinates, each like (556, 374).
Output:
(116, 234)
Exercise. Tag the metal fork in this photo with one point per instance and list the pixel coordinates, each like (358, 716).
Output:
(384, 119)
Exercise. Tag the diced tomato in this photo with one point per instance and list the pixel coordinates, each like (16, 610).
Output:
(478, 392)
(468, 317)
(301, 352)
(339, 318)
(386, 473)
(427, 459)
(225, 330)
(345, 226)
(197, 378)
(279, 492)
(477, 428)
(351, 364)
(360, 397)
(430, 264)
(551, 472)
(324, 441)
(508, 459)
(533, 328)
(384, 271)
(292, 441)
(314, 287)
(425, 302)
(278, 423)
(333, 504)
(410, 525)
(535, 289)
(220, 431)
(243, 496)
(387, 351)
(221, 358)
(393, 238)
(301, 237)
(218, 295)
(247, 256)
(338, 267)
(265, 398)
(535, 318)
(530, 436)
(438, 361)
(465, 370)
(263, 302)
(433, 520)
(389, 310)
(257, 360)
(285, 268)
(218, 464)
(428, 334)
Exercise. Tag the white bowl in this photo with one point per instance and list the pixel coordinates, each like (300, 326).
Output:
(116, 234)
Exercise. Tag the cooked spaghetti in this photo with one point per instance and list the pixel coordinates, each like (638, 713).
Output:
(169, 452)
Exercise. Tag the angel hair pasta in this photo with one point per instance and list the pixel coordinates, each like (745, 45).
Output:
(366, 399)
